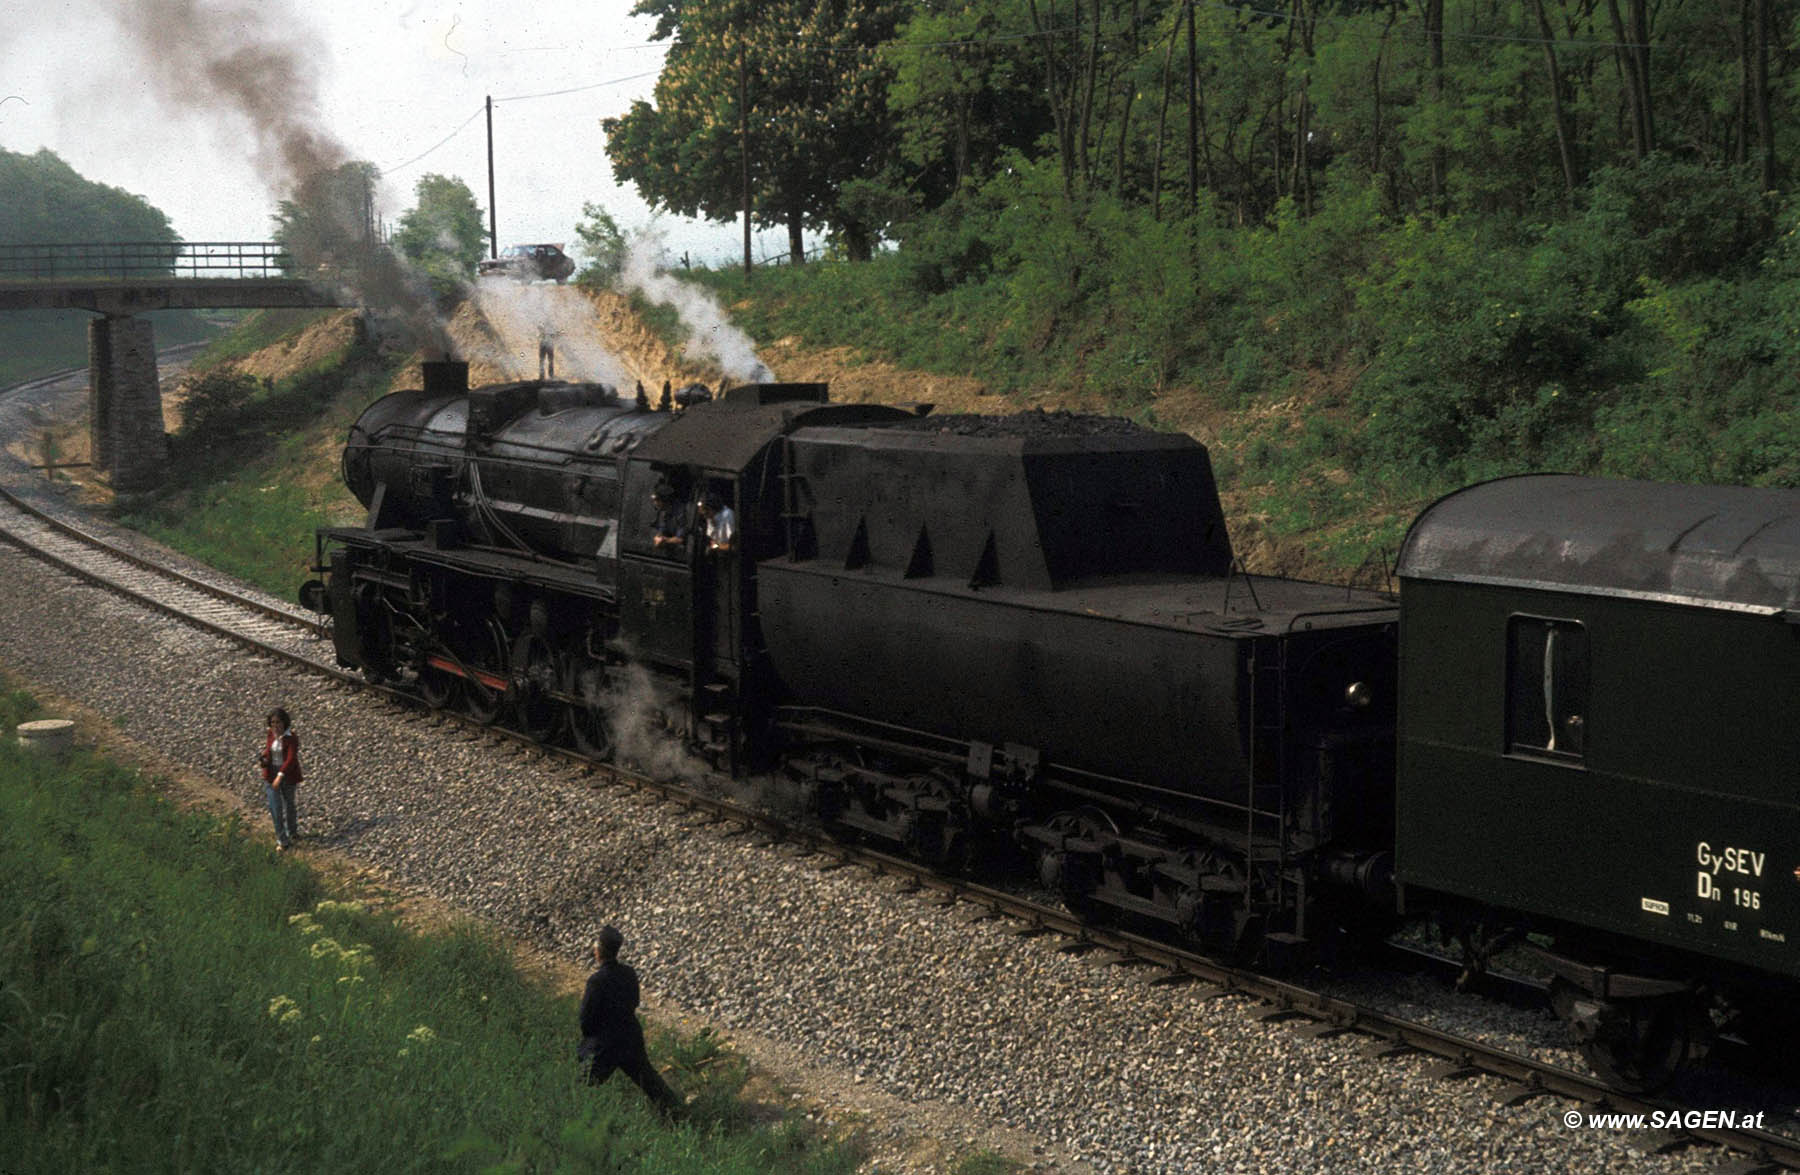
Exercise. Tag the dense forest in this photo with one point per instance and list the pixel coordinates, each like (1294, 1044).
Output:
(858, 115)
(45, 201)
(1402, 243)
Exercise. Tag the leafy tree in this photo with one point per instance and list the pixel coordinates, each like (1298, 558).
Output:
(800, 80)
(602, 244)
(963, 93)
(443, 233)
(866, 113)
(329, 221)
(44, 201)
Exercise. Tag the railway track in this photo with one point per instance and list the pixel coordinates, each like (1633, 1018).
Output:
(286, 633)
(298, 639)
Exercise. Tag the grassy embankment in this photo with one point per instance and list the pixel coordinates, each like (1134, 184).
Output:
(145, 1025)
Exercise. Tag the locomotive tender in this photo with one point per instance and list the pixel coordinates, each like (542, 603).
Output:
(932, 630)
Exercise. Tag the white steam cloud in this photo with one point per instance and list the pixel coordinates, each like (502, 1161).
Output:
(710, 332)
(644, 717)
(522, 315)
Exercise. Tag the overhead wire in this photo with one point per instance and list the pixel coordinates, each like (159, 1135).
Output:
(577, 89)
(459, 129)
(479, 110)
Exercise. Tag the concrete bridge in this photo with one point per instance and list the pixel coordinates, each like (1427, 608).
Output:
(117, 281)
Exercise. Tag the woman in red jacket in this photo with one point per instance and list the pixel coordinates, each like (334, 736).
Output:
(280, 761)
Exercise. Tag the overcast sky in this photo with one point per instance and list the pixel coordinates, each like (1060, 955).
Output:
(400, 83)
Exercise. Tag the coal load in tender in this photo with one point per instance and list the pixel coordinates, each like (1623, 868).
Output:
(1036, 423)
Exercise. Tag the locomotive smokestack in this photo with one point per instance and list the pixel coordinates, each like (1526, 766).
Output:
(445, 377)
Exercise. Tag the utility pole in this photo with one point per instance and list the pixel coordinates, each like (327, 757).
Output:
(493, 231)
(744, 142)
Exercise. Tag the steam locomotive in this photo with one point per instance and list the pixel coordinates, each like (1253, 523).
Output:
(1567, 731)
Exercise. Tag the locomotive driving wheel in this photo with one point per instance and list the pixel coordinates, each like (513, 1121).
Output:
(585, 680)
(437, 688)
(481, 702)
(539, 712)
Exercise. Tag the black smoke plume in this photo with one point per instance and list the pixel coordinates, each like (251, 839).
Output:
(253, 68)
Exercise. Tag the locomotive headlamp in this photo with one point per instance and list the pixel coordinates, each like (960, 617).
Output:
(1358, 695)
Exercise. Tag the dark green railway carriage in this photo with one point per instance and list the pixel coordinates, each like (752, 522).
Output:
(1600, 725)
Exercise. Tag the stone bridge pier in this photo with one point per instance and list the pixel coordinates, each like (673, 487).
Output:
(126, 421)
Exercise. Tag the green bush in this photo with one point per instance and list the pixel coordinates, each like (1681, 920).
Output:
(1492, 357)
(1301, 275)
(602, 247)
(950, 248)
(1669, 218)
(1718, 403)
(216, 409)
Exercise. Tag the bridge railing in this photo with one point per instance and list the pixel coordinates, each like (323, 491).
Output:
(144, 259)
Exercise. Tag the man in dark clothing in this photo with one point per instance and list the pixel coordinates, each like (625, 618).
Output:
(670, 527)
(546, 353)
(611, 1037)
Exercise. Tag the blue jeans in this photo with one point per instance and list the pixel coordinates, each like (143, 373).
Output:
(283, 812)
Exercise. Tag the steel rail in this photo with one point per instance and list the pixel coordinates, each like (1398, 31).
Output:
(114, 551)
(98, 578)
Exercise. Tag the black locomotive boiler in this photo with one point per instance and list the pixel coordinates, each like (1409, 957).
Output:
(936, 630)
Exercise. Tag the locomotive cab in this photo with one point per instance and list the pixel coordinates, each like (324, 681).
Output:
(692, 611)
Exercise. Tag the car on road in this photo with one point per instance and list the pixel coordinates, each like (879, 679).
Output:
(528, 263)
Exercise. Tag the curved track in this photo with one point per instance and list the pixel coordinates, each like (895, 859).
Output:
(300, 640)
(105, 564)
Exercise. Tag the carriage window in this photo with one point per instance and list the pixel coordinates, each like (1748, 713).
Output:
(1546, 687)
